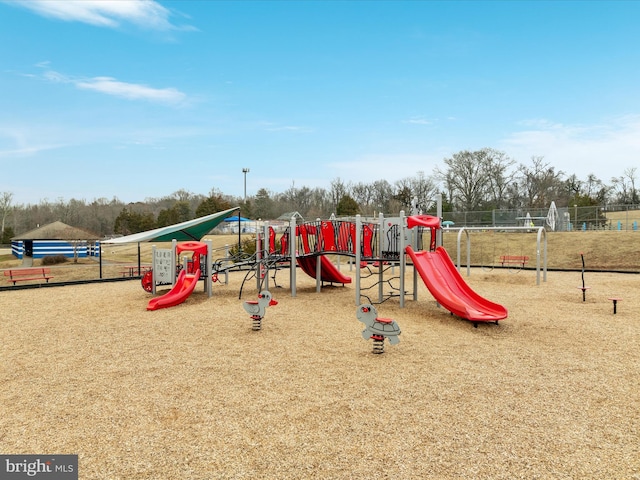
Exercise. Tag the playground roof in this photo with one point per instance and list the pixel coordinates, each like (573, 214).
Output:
(236, 218)
(186, 231)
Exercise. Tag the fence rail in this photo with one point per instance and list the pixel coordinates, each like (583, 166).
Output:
(574, 218)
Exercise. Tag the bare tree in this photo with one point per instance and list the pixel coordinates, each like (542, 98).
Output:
(363, 194)
(573, 186)
(621, 188)
(419, 186)
(382, 195)
(630, 174)
(424, 188)
(338, 190)
(470, 180)
(296, 199)
(286, 199)
(303, 200)
(498, 167)
(182, 195)
(540, 182)
(403, 193)
(5, 208)
(466, 179)
(593, 186)
(321, 206)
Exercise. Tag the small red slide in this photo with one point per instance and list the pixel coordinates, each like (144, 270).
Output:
(450, 290)
(328, 271)
(185, 284)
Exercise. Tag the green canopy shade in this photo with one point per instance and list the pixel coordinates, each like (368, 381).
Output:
(191, 230)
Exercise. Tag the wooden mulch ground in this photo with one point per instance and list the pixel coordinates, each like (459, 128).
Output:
(192, 392)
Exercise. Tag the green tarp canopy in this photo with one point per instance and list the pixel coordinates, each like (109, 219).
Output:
(191, 230)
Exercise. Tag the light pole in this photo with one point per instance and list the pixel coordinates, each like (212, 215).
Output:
(245, 171)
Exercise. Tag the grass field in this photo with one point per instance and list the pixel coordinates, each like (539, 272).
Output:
(610, 250)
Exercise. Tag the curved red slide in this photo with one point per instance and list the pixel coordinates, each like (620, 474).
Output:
(185, 284)
(328, 271)
(450, 290)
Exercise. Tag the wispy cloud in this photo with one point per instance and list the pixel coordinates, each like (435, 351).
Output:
(21, 144)
(132, 91)
(116, 88)
(147, 14)
(418, 120)
(272, 127)
(28, 150)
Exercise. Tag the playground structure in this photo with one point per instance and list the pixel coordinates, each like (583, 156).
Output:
(374, 248)
(188, 275)
(383, 246)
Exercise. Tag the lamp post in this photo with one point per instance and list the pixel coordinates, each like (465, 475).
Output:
(245, 171)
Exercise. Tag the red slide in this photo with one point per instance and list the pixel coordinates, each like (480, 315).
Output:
(450, 290)
(328, 271)
(185, 284)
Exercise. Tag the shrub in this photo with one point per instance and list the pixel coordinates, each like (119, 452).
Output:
(54, 259)
(248, 245)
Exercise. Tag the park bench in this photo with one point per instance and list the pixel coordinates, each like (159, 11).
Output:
(514, 260)
(134, 270)
(26, 274)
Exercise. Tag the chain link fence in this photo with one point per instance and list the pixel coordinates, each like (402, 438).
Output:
(605, 217)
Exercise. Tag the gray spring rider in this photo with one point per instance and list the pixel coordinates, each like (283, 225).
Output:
(257, 308)
(377, 328)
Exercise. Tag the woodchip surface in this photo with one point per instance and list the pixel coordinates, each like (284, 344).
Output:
(191, 392)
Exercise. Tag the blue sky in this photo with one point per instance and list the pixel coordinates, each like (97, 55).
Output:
(137, 99)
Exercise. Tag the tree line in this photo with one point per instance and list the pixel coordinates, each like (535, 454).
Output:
(485, 179)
